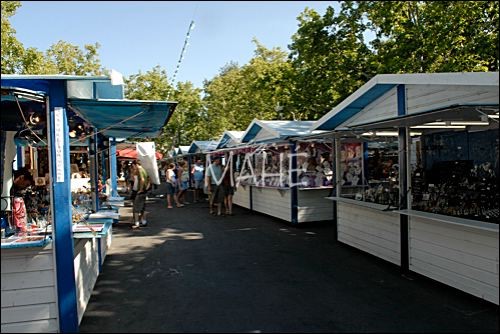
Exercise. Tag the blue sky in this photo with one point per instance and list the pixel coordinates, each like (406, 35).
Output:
(136, 36)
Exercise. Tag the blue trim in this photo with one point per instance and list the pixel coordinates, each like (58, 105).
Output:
(94, 172)
(252, 133)
(293, 190)
(62, 220)
(113, 172)
(401, 100)
(19, 156)
(403, 185)
(99, 255)
(355, 106)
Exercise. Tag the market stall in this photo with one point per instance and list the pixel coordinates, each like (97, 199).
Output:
(51, 262)
(279, 173)
(417, 175)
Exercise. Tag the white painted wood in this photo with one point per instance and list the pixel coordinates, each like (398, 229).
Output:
(382, 108)
(312, 205)
(38, 326)
(373, 231)
(28, 296)
(28, 290)
(421, 98)
(373, 249)
(18, 262)
(29, 313)
(463, 257)
(471, 286)
(457, 256)
(272, 202)
(86, 264)
(242, 197)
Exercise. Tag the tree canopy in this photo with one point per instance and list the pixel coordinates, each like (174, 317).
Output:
(330, 56)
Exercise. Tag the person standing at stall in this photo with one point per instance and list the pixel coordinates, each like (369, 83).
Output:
(198, 173)
(213, 182)
(22, 180)
(141, 186)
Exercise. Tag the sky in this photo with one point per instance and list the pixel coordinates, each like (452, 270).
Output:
(139, 35)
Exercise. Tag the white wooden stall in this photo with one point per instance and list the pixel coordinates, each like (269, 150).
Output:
(461, 253)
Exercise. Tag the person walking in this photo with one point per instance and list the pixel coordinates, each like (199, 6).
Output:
(183, 181)
(213, 182)
(142, 185)
(228, 191)
(198, 173)
(171, 180)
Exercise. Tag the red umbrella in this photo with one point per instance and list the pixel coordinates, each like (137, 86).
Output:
(131, 153)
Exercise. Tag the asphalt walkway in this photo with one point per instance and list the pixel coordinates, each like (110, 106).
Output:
(189, 272)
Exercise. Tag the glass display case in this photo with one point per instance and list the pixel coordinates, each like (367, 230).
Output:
(455, 173)
(370, 171)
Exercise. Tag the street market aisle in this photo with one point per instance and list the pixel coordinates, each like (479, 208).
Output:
(192, 272)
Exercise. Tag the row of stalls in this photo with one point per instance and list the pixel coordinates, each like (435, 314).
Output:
(57, 126)
(406, 168)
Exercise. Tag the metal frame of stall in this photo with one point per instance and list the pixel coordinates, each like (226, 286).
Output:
(461, 253)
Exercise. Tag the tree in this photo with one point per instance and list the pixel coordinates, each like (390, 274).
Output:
(12, 50)
(187, 122)
(70, 59)
(239, 94)
(434, 36)
(61, 58)
(330, 58)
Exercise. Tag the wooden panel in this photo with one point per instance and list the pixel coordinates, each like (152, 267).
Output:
(29, 313)
(459, 256)
(242, 197)
(454, 233)
(20, 261)
(272, 202)
(369, 238)
(380, 252)
(86, 271)
(30, 279)
(455, 268)
(370, 230)
(28, 290)
(28, 296)
(482, 263)
(311, 214)
(39, 326)
(382, 108)
(474, 287)
(431, 97)
(312, 205)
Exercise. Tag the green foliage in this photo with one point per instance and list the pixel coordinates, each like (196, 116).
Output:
(70, 59)
(12, 50)
(327, 61)
(434, 36)
(60, 58)
(187, 123)
(239, 94)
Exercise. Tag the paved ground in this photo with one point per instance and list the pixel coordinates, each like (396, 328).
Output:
(188, 272)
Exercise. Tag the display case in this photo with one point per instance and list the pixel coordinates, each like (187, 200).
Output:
(369, 171)
(455, 173)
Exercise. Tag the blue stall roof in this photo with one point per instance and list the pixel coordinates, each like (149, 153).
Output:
(124, 118)
(382, 83)
(277, 129)
(202, 146)
(99, 102)
(230, 138)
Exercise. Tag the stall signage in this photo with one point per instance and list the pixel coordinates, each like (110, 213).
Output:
(59, 143)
